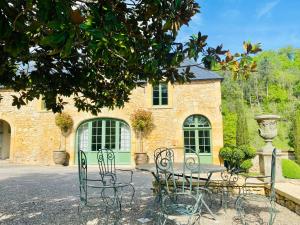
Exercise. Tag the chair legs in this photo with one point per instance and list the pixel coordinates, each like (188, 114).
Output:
(240, 208)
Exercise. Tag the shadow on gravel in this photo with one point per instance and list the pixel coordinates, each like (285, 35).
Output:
(53, 198)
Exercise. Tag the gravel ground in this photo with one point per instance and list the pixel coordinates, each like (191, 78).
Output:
(49, 195)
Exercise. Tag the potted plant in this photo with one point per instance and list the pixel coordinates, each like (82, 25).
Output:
(65, 122)
(142, 123)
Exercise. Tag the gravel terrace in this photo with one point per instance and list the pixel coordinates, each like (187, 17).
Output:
(34, 195)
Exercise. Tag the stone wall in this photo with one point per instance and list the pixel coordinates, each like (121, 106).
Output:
(288, 201)
(34, 135)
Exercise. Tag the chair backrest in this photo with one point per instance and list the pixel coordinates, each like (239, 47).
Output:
(178, 177)
(106, 163)
(273, 173)
(82, 172)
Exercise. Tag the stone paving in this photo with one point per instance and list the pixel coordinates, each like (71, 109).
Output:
(49, 195)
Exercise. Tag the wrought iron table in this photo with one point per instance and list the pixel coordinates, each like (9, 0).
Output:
(208, 169)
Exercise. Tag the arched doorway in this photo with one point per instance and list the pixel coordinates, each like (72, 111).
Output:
(197, 136)
(108, 133)
(5, 133)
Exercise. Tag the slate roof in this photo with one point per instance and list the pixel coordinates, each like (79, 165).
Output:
(199, 72)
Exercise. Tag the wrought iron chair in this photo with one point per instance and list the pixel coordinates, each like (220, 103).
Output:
(180, 195)
(228, 185)
(109, 178)
(246, 196)
(109, 186)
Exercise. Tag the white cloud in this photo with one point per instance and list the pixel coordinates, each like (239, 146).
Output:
(197, 20)
(267, 8)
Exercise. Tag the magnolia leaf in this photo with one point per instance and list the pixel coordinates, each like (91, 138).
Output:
(55, 40)
(76, 17)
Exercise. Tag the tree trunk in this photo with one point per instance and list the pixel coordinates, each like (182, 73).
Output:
(141, 142)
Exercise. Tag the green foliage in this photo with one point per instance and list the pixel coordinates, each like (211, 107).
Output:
(246, 165)
(142, 122)
(238, 158)
(290, 169)
(229, 131)
(64, 121)
(273, 89)
(242, 134)
(249, 151)
(96, 51)
(277, 94)
(297, 136)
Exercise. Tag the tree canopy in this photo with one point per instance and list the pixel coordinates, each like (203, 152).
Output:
(96, 51)
(273, 89)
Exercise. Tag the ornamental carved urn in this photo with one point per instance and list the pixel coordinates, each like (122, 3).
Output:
(267, 130)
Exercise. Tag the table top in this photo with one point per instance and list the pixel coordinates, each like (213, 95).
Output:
(178, 168)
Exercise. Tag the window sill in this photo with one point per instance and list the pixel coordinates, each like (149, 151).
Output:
(161, 107)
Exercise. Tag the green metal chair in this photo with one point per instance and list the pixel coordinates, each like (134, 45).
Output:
(246, 197)
(228, 185)
(180, 195)
(109, 188)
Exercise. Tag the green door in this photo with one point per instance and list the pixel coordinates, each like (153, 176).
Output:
(104, 133)
(197, 136)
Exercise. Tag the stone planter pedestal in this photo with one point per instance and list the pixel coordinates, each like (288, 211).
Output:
(268, 131)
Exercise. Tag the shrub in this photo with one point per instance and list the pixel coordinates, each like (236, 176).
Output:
(236, 158)
(250, 152)
(64, 121)
(142, 123)
(246, 165)
(290, 169)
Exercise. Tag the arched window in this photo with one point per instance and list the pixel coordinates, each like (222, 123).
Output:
(197, 134)
(104, 133)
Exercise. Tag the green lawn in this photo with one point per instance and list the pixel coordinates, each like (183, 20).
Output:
(290, 169)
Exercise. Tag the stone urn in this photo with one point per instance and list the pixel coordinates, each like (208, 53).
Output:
(60, 157)
(141, 158)
(267, 130)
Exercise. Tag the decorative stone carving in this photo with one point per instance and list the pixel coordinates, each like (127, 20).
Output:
(267, 130)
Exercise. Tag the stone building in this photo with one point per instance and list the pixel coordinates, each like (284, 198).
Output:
(184, 115)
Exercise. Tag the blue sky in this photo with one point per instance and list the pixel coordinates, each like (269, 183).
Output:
(273, 23)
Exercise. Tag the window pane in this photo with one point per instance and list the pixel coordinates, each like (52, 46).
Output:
(164, 90)
(201, 149)
(155, 101)
(201, 141)
(207, 141)
(160, 94)
(189, 122)
(124, 137)
(83, 137)
(207, 149)
(96, 135)
(192, 133)
(164, 101)
(206, 133)
(155, 94)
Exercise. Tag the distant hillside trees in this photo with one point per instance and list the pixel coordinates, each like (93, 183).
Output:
(273, 89)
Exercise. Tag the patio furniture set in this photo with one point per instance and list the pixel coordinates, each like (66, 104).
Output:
(181, 188)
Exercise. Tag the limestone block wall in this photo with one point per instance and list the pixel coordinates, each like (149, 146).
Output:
(34, 134)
